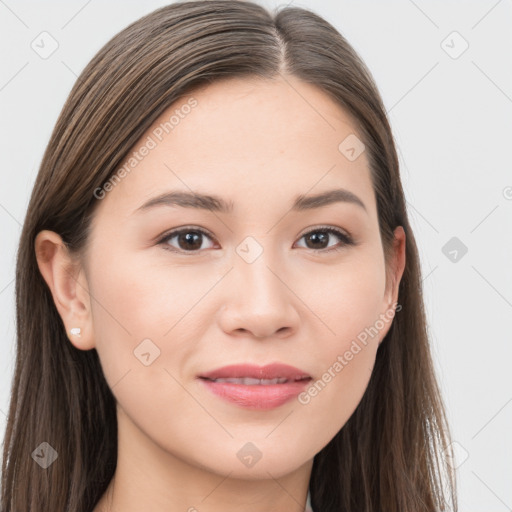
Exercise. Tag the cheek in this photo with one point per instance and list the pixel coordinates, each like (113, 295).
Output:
(148, 316)
(346, 298)
(132, 310)
(143, 335)
(137, 298)
(349, 305)
(347, 362)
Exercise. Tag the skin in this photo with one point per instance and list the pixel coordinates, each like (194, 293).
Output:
(253, 142)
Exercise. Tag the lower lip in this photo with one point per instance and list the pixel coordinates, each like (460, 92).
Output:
(259, 396)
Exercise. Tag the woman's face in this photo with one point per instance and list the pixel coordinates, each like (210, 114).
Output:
(263, 284)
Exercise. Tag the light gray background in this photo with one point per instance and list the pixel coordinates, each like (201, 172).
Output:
(452, 120)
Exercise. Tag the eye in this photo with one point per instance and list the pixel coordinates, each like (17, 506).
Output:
(319, 236)
(190, 239)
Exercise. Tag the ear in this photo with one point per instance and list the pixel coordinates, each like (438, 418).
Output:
(68, 284)
(394, 274)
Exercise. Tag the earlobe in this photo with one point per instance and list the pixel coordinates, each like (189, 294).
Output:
(66, 280)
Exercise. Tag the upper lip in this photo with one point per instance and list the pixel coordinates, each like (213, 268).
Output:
(270, 371)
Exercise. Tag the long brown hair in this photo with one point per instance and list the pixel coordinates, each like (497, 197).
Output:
(390, 455)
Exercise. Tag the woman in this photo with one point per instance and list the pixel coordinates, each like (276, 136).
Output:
(219, 299)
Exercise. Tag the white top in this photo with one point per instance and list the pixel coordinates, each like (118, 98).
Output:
(308, 503)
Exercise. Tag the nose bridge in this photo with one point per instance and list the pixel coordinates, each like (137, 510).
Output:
(257, 265)
(258, 300)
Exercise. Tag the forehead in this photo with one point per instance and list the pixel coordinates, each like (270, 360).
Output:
(245, 139)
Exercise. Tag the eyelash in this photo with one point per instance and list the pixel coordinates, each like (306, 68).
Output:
(346, 240)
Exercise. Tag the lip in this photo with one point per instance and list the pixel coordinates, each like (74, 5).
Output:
(270, 371)
(256, 396)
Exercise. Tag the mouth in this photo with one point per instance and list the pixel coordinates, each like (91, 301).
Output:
(257, 388)
(251, 375)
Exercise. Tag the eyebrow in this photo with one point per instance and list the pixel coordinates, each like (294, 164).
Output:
(218, 204)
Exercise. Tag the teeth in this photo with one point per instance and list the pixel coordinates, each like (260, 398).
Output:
(249, 381)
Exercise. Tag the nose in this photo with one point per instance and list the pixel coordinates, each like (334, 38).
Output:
(258, 301)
